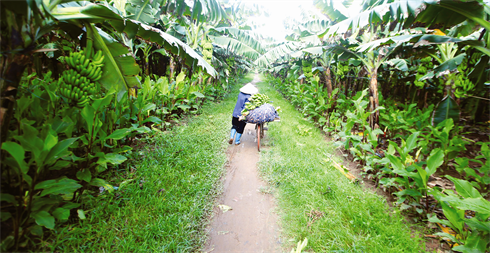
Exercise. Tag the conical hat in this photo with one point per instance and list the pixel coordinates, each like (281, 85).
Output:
(249, 89)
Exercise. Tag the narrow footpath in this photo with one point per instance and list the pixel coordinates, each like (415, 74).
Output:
(316, 203)
(244, 220)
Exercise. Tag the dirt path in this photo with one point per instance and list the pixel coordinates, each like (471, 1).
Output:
(251, 224)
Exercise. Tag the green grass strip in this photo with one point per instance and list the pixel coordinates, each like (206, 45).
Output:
(316, 201)
(163, 205)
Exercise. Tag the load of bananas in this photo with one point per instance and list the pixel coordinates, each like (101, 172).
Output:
(307, 69)
(255, 101)
(207, 51)
(78, 83)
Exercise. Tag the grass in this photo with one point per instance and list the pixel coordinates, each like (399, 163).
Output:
(316, 201)
(165, 194)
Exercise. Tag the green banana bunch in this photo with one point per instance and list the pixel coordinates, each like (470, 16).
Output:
(255, 101)
(208, 45)
(94, 71)
(78, 83)
(89, 66)
(207, 51)
(462, 86)
(76, 88)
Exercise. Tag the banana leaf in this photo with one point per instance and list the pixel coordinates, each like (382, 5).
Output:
(313, 50)
(418, 39)
(445, 68)
(243, 36)
(143, 10)
(446, 14)
(327, 8)
(400, 64)
(96, 13)
(209, 11)
(403, 8)
(419, 12)
(192, 59)
(315, 70)
(120, 68)
(311, 40)
(235, 46)
(281, 51)
(316, 26)
(447, 108)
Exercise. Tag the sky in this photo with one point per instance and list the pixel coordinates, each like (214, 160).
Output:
(279, 10)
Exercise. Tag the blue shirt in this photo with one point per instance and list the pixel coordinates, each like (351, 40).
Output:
(240, 104)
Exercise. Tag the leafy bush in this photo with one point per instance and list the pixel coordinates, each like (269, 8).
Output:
(406, 155)
(55, 152)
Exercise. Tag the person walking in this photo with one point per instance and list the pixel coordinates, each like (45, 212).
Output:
(238, 125)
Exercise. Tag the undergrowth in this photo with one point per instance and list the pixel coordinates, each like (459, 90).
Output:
(163, 199)
(317, 202)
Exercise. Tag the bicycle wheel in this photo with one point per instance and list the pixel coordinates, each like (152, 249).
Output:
(258, 129)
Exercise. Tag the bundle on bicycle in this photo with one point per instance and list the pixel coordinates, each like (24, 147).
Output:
(251, 107)
(259, 116)
(262, 114)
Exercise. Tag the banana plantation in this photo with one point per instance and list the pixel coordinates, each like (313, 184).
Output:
(400, 88)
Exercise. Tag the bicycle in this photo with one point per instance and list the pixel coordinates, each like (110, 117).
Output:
(259, 116)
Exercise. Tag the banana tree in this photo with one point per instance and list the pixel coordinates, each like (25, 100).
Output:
(372, 58)
(19, 47)
(197, 19)
(204, 13)
(204, 25)
(402, 14)
(449, 58)
(326, 61)
(409, 12)
(134, 29)
(120, 68)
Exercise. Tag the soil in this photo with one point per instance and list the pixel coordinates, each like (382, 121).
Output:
(251, 223)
